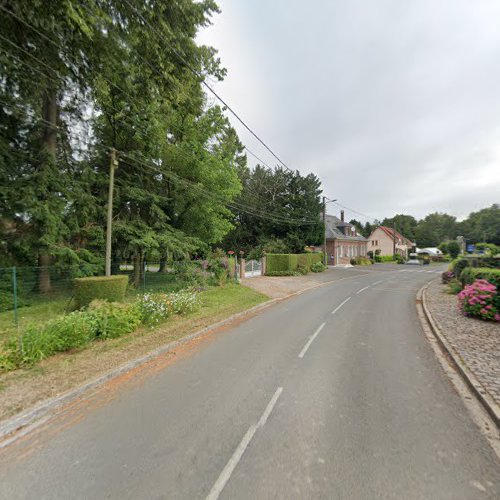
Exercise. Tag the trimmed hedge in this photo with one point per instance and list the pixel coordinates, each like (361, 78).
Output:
(458, 265)
(361, 261)
(289, 262)
(471, 274)
(110, 288)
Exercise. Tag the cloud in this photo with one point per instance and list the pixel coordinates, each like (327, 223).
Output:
(394, 105)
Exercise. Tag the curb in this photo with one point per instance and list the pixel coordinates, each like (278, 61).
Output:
(458, 363)
(22, 424)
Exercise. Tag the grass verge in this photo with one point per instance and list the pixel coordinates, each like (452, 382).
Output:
(23, 388)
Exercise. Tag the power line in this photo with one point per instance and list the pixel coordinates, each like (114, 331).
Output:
(205, 84)
(233, 204)
(58, 46)
(236, 205)
(355, 211)
(241, 207)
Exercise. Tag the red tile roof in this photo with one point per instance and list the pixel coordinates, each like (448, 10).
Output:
(390, 232)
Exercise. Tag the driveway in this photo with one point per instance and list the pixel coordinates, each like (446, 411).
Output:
(332, 394)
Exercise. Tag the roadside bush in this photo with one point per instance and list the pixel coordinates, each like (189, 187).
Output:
(154, 308)
(386, 258)
(191, 273)
(454, 287)
(110, 288)
(157, 307)
(318, 267)
(72, 331)
(219, 266)
(290, 262)
(282, 273)
(458, 265)
(102, 319)
(478, 300)
(471, 274)
(453, 248)
(361, 261)
(184, 302)
(113, 319)
(302, 270)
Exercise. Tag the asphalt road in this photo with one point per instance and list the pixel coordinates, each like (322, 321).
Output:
(332, 394)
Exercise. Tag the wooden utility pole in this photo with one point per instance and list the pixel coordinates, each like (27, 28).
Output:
(393, 240)
(109, 229)
(325, 258)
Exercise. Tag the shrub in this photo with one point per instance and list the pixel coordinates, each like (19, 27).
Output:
(453, 248)
(458, 265)
(318, 267)
(192, 274)
(184, 301)
(154, 308)
(471, 274)
(113, 319)
(157, 307)
(219, 267)
(290, 262)
(454, 287)
(361, 261)
(281, 273)
(302, 270)
(110, 288)
(63, 333)
(478, 300)
(386, 258)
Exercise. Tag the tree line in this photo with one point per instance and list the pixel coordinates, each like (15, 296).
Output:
(79, 79)
(435, 228)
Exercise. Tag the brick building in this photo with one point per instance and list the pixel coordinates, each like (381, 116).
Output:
(342, 241)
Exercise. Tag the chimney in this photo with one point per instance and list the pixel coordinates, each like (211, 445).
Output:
(342, 215)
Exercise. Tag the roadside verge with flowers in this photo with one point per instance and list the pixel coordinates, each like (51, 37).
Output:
(476, 341)
(32, 383)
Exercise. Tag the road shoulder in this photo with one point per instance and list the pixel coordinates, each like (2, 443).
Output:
(469, 345)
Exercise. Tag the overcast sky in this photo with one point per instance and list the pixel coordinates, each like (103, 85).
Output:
(394, 104)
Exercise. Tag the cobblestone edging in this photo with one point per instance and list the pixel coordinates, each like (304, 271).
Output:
(473, 345)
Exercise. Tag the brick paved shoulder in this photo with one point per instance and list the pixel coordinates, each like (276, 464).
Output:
(477, 342)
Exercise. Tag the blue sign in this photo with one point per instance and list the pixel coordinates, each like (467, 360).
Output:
(471, 248)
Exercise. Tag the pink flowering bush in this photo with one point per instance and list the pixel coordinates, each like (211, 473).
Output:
(480, 300)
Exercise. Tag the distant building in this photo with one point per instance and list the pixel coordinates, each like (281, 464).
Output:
(383, 238)
(342, 241)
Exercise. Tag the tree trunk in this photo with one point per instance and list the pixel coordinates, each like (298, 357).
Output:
(137, 269)
(49, 145)
(44, 284)
(163, 263)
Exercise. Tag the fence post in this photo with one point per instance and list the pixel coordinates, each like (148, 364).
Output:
(263, 266)
(242, 268)
(144, 264)
(14, 292)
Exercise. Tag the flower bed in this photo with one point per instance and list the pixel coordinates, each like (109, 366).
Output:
(101, 320)
(479, 300)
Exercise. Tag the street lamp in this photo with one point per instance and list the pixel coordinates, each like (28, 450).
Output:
(325, 258)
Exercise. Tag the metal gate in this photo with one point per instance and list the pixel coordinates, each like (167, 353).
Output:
(253, 268)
